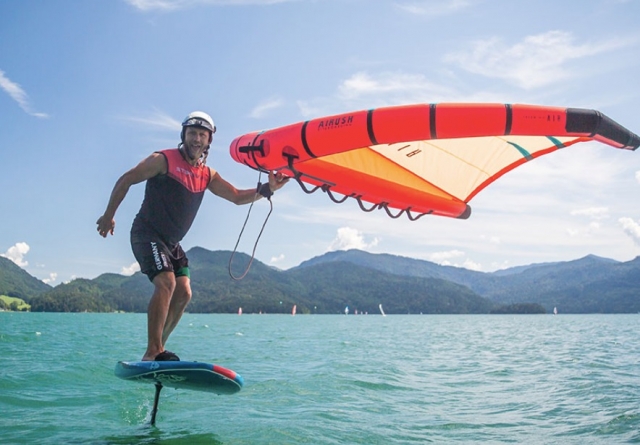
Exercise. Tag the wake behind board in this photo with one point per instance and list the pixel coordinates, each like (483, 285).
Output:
(183, 375)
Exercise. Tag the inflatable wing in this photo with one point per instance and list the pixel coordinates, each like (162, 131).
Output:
(425, 158)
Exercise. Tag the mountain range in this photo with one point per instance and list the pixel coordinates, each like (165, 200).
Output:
(355, 279)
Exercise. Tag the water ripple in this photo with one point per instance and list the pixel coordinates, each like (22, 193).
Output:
(329, 380)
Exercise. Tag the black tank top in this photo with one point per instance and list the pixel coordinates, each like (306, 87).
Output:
(171, 201)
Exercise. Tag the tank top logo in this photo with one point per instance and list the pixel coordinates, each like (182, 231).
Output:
(195, 179)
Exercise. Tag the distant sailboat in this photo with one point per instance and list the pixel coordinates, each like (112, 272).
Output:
(293, 311)
(381, 311)
(555, 311)
(239, 311)
(346, 310)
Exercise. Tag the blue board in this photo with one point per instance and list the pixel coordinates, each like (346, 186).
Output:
(185, 375)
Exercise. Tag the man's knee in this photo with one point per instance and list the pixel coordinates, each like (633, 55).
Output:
(165, 282)
(183, 290)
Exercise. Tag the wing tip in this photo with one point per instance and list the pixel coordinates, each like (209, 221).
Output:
(599, 125)
(466, 213)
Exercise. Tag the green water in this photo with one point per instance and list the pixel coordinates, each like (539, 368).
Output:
(363, 379)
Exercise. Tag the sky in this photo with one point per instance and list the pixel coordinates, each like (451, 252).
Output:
(89, 89)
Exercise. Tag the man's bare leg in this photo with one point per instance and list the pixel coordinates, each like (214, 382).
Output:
(164, 286)
(179, 302)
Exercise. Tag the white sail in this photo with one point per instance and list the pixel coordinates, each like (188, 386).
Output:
(381, 311)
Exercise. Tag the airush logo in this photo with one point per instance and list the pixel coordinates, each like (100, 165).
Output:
(157, 256)
(330, 124)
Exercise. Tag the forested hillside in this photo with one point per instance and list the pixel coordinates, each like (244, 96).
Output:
(360, 280)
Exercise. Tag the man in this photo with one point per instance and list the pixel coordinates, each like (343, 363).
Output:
(176, 181)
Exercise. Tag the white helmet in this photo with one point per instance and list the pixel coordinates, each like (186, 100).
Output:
(198, 119)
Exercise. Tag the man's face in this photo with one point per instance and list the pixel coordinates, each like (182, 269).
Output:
(197, 139)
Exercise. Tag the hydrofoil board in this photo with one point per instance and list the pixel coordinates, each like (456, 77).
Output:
(183, 375)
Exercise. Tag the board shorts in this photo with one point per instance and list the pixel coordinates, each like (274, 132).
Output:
(155, 256)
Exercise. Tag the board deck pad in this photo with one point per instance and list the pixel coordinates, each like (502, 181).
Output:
(183, 375)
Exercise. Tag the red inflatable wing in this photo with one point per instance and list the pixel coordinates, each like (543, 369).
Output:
(425, 158)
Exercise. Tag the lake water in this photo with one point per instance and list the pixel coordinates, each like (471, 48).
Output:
(328, 379)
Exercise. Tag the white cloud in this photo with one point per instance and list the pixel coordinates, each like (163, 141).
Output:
(586, 231)
(447, 258)
(472, 265)
(17, 253)
(161, 5)
(573, 232)
(277, 259)
(363, 90)
(173, 5)
(262, 109)
(348, 238)
(536, 61)
(638, 176)
(592, 212)
(500, 265)
(410, 86)
(130, 270)
(434, 9)
(631, 228)
(52, 277)
(444, 257)
(16, 92)
(157, 119)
